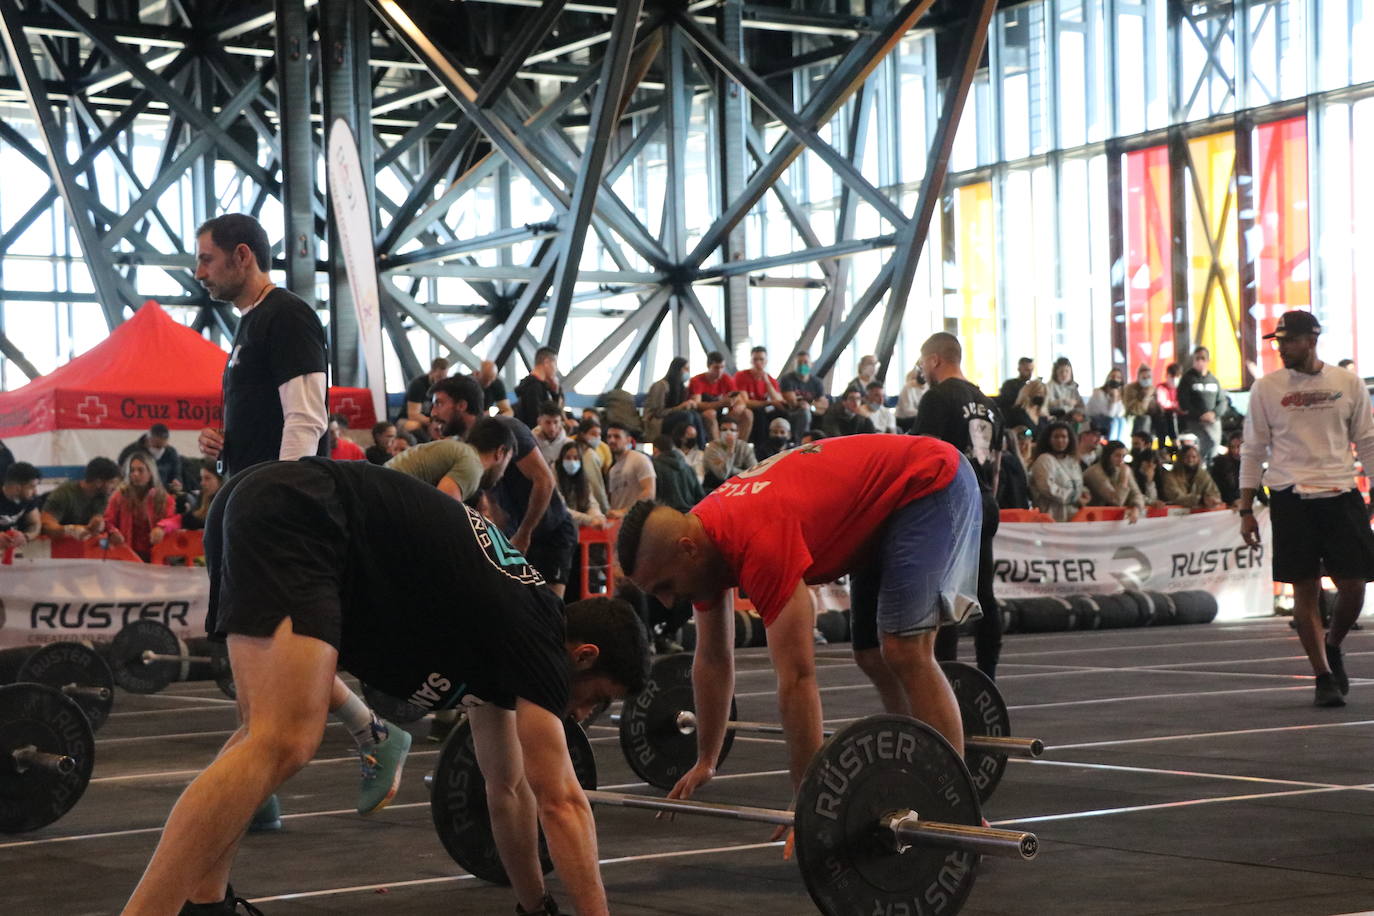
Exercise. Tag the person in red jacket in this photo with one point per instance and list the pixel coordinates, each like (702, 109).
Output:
(342, 448)
(141, 513)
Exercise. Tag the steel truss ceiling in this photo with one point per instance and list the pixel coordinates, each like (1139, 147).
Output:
(559, 98)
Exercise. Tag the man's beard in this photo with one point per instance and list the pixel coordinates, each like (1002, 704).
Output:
(490, 477)
(457, 426)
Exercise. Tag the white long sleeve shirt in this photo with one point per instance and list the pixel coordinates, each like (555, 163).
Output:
(1304, 426)
(305, 416)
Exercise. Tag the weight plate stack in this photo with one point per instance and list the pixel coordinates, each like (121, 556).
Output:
(1046, 615)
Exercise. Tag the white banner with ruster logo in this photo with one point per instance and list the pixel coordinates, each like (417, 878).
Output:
(1202, 551)
(51, 600)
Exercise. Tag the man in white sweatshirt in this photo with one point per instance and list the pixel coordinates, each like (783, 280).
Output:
(1303, 420)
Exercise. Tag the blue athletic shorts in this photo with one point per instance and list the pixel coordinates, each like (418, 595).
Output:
(926, 574)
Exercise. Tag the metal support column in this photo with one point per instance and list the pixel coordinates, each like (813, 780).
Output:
(732, 112)
(297, 147)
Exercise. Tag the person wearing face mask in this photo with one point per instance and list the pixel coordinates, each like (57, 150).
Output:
(1029, 410)
(669, 404)
(727, 456)
(779, 439)
(589, 438)
(1188, 483)
(804, 393)
(875, 407)
(1107, 407)
(1138, 398)
(586, 500)
(1201, 402)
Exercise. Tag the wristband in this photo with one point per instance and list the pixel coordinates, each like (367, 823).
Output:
(1245, 512)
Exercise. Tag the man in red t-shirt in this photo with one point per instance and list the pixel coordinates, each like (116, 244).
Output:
(899, 514)
(719, 394)
(762, 394)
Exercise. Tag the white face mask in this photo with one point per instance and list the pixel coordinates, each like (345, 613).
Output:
(572, 466)
(593, 441)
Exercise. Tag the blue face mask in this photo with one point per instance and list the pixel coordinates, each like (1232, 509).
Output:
(572, 466)
(804, 370)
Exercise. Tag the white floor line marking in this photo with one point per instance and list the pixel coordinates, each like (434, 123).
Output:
(1158, 696)
(392, 885)
(1102, 812)
(219, 701)
(318, 761)
(1194, 735)
(1218, 776)
(1170, 645)
(170, 709)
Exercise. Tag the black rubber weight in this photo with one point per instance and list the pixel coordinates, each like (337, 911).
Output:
(1046, 615)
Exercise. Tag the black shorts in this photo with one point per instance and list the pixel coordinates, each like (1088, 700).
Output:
(554, 561)
(276, 545)
(1316, 537)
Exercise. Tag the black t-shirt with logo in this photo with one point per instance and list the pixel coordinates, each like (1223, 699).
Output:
(958, 412)
(12, 511)
(280, 338)
(512, 494)
(437, 606)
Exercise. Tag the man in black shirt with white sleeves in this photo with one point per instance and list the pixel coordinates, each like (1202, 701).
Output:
(275, 392)
(956, 411)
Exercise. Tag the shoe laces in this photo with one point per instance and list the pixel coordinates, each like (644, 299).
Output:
(368, 764)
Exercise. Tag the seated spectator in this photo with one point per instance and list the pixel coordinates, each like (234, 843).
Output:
(538, 388)
(1029, 410)
(1089, 446)
(580, 487)
(589, 437)
(493, 389)
(592, 414)
(549, 437)
(1106, 408)
(380, 449)
(210, 482)
(668, 403)
(804, 393)
(779, 439)
(846, 417)
(1225, 469)
(868, 371)
(76, 509)
(1140, 442)
(909, 398)
(1139, 400)
(761, 393)
(20, 519)
(1013, 484)
(1011, 388)
(875, 405)
(1056, 478)
(1188, 484)
(1165, 419)
(1111, 483)
(141, 512)
(594, 465)
(727, 456)
(1062, 399)
(156, 442)
(631, 477)
(400, 443)
(342, 448)
(677, 483)
(1145, 469)
(414, 418)
(687, 442)
(719, 397)
(811, 435)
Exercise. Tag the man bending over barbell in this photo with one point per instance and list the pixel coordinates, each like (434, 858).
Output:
(899, 514)
(303, 560)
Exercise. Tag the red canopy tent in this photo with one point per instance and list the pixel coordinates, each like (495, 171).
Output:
(149, 370)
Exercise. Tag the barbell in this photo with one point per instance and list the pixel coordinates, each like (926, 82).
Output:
(47, 752)
(887, 818)
(74, 669)
(147, 657)
(658, 726)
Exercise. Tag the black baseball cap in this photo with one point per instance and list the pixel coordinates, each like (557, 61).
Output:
(1294, 324)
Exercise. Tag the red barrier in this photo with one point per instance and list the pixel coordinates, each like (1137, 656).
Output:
(1100, 514)
(94, 550)
(1025, 515)
(587, 538)
(189, 546)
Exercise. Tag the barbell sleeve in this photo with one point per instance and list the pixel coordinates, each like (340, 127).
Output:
(88, 693)
(150, 657)
(906, 827)
(30, 757)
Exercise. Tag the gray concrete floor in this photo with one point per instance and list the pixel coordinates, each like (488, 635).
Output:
(1187, 772)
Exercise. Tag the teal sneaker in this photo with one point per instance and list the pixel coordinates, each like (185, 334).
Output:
(267, 818)
(382, 770)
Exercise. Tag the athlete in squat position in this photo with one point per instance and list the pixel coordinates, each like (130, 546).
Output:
(303, 560)
(899, 514)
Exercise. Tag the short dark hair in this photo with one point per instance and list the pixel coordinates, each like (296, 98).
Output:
(631, 530)
(1173, 369)
(871, 385)
(1234, 435)
(724, 420)
(1145, 455)
(22, 472)
(462, 388)
(815, 435)
(1042, 445)
(380, 427)
(624, 428)
(753, 350)
(944, 345)
(714, 357)
(489, 434)
(339, 419)
(1202, 351)
(613, 626)
(664, 442)
(231, 230)
(101, 469)
(438, 363)
(551, 409)
(544, 353)
(1024, 360)
(1345, 362)
(159, 431)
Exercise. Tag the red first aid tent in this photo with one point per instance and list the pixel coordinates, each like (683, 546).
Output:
(149, 370)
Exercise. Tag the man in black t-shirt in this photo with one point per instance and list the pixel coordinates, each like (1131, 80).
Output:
(956, 411)
(538, 388)
(535, 517)
(414, 419)
(493, 389)
(274, 382)
(483, 633)
(19, 519)
(804, 393)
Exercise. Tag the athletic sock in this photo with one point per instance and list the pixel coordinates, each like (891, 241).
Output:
(362, 723)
